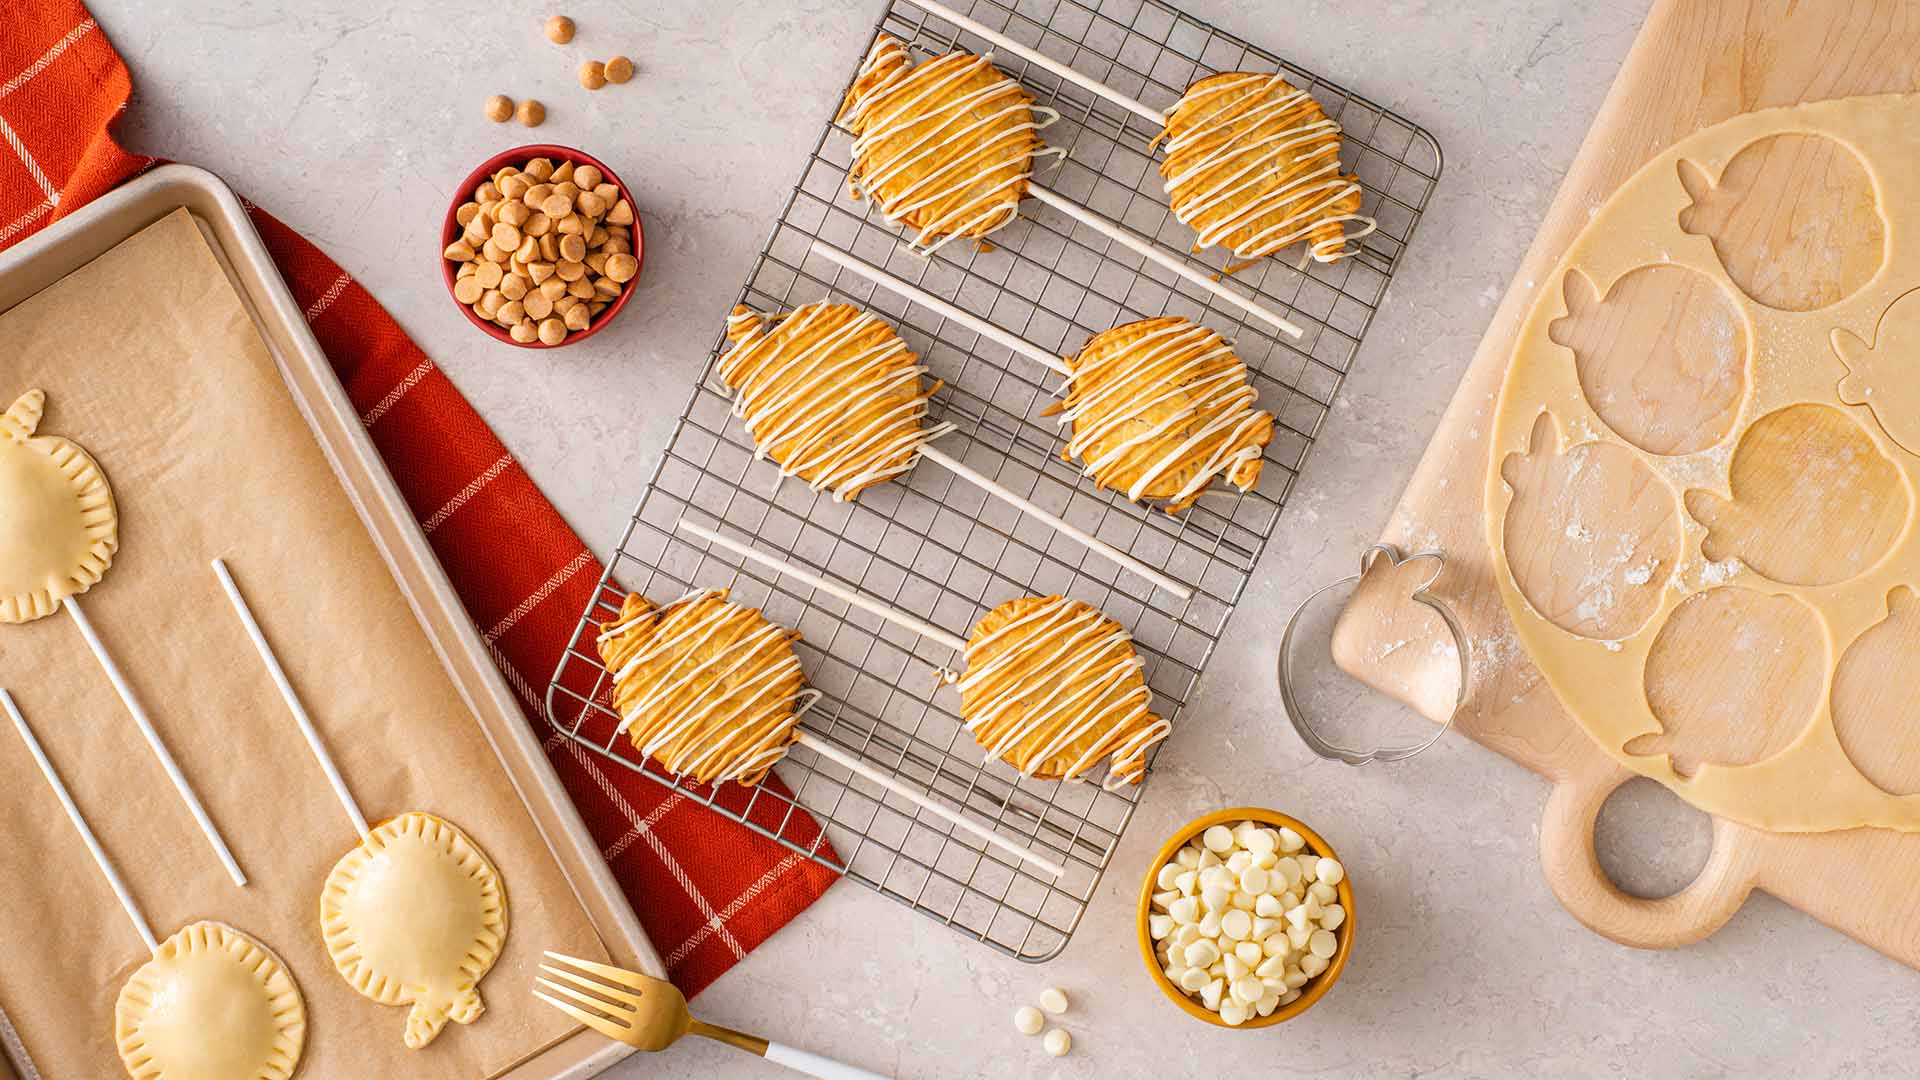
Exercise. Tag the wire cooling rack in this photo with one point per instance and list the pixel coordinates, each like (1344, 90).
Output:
(945, 551)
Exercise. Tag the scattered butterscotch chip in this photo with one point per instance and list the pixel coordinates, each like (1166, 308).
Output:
(543, 249)
(593, 74)
(499, 108)
(532, 113)
(559, 29)
(619, 69)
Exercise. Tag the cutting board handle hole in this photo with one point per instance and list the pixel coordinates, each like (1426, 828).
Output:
(1650, 843)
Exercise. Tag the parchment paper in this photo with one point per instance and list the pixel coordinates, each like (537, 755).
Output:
(150, 362)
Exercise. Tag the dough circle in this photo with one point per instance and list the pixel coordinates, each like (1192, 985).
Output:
(416, 915)
(212, 1004)
(1792, 358)
(58, 525)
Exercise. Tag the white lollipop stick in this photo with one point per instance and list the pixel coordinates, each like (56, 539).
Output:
(145, 724)
(898, 618)
(1126, 238)
(933, 303)
(99, 853)
(1040, 59)
(299, 711)
(832, 753)
(1098, 546)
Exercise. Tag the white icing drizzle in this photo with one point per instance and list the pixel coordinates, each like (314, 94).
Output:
(1216, 414)
(830, 393)
(931, 109)
(1200, 177)
(1072, 680)
(699, 738)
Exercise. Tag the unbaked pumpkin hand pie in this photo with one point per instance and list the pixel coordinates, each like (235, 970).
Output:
(1159, 409)
(210, 1002)
(415, 914)
(1252, 164)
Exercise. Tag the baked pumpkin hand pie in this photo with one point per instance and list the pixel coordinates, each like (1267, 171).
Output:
(1160, 408)
(416, 915)
(1053, 685)
(1252, 164)
(710, 689)
(58, 525)
(945, 146)
(212, 1004)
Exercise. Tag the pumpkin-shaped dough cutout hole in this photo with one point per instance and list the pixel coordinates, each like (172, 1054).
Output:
(1876, 698)
(1813, 500)
(58, 525)
(416, 915)
(1591, 534)
(1884, 374)
(1733, 677)
(1793, 219)
(1662, 358)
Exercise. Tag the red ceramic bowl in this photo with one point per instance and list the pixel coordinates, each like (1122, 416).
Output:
(519, 155)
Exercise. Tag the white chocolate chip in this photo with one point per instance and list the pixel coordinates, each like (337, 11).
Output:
(1054, 1000)
(1233, 1013)
(1184, 910)
(1028, 1021)
(1311, 965)
(1236, 924)
(1330, 871)
(1210, 993)
(1219, 839)
(1210, 924)
(1159, 926)
(1253, 880)
(1201, 954)
(1267, 907)
(1058, 1042)
(1332, 916)
(1290, 841)
(1322, 944)
(1239, 861)
(1216, 897)
(1323, 892)
(1168, 876)
(1248, 952)
(1192, 979)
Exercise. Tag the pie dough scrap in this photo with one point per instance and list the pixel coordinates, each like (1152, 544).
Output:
(416, 915)
(1252, 164)
(831, 393)
(946, 146)
(1778, 500)
(1159, 409)
(708, 688)
(1052, 686)
(212, 1004)
(58, 525)
(1884, 374)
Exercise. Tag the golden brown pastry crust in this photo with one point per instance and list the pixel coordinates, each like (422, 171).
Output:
(830, 393)
(1053, 685)
(709, 689)
(1253, 164)
(945, 146)
(1159, 408)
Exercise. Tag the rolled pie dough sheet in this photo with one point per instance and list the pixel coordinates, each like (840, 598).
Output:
(1859, 355)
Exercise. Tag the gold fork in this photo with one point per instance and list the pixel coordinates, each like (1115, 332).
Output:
(651, 1014)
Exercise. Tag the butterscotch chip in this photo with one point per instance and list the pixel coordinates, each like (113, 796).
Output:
(537, 194)
(622, 267)
(564, 304)
(528, 251)
(538, 304)
(559, 29)
(572, 225)
(596, 261)
(565, 187)
(489, 274)
(573, 248)
(538, 223)
(499, 108)
(552, 331)
(510, 312)
(619, 69)
(567, 270)
(539, 271)
(486, 193)
(514, 185)
(513, 212)
(557, 206)
(532, 113)
(621, 214)
(599, 238)
(514, 286)
(489, 302)
(587, 177)
(539, 168)
(616, 245)
(593, 74)
(581, 288)
(459, 251)
(465, 269)
(506, 237)
(492, 253)
(477, 230)
(590, 204)
(562, 172)
(524, 332)
(466, 213)
(605, 288)
(550, 248)
(596, 307)
(576, 317)
(467, 290)
(553, 288)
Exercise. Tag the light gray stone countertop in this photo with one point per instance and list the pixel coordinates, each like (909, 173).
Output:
(352, 122)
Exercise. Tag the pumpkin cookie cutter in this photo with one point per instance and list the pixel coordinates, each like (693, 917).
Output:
(1288, 673)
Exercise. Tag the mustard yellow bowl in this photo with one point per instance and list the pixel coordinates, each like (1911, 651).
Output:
(1316, 988)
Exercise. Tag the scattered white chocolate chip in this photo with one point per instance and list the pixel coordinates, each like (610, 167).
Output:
(1058, 1042)
(1054, 1000)
(1028, 1021)
(1250, 917)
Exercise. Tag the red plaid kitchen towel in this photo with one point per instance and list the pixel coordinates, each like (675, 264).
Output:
(706, 889)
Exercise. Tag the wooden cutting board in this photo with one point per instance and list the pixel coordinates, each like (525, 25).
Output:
(1695, 63)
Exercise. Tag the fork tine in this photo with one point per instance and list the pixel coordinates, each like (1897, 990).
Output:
(630, 979)
(611, 1030)
(594, 985)
(617, 1013)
